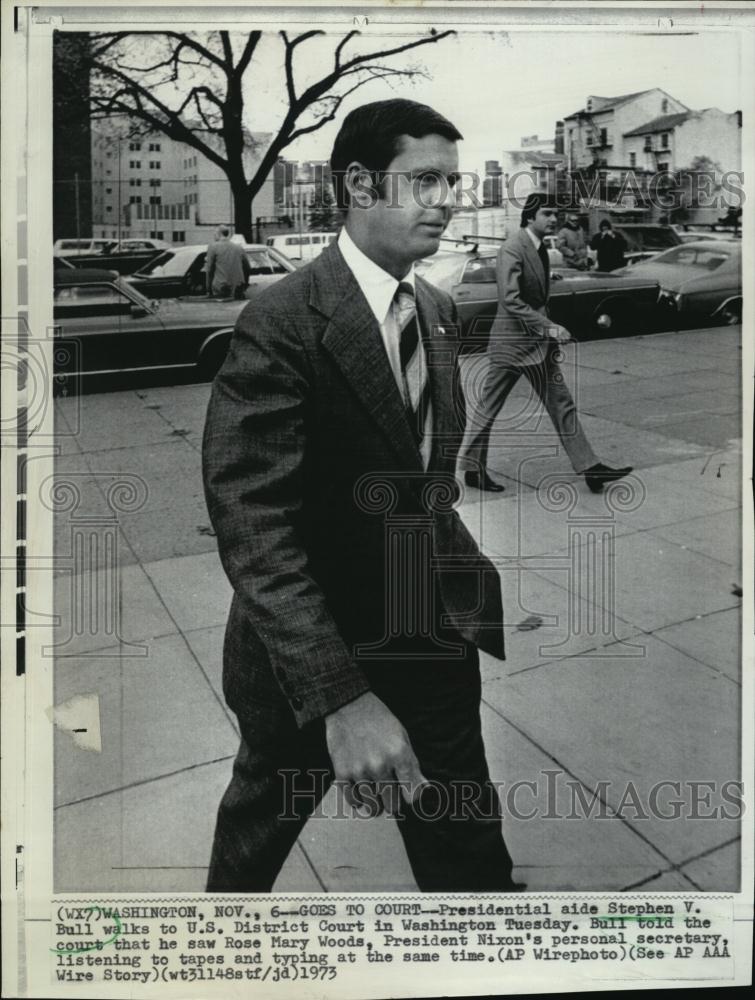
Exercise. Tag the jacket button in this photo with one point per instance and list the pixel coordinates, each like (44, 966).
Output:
(297, 704)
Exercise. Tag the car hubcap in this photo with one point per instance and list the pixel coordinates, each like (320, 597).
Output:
(604, 321)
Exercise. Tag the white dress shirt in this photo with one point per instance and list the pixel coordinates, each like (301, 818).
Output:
(379, 288)
(535, 239)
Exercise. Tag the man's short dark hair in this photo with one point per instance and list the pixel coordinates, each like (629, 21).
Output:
(535, 201)
(370, 135)
(605, 224)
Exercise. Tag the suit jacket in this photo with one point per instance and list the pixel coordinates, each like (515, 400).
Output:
(309, 461)
(518, 335)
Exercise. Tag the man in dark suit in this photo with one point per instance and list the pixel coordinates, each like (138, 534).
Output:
(524, 341)
(360, 597)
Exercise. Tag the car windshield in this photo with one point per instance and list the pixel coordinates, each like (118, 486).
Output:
(136, 296)
(707, 258)
(444, 271)
(264, 262)
(168, 265)
(479, 271)
(648, 238)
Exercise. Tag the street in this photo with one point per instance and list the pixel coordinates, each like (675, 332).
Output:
(623, 649)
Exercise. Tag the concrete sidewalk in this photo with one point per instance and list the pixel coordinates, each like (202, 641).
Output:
(622, 671)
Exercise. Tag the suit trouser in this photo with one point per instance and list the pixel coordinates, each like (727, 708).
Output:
(452, 834)
(548, 382)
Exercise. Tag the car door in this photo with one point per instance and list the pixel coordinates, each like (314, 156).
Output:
(111, 331)
(476, 295)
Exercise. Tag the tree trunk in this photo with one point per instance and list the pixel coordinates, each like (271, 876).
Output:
(242, 211)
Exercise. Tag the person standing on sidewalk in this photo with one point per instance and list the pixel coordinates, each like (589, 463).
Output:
(572, 243)
(227, 267)
(331, 432)
(609, 246)
(524, 341)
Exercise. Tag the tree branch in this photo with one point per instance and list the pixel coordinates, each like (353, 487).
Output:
(246, 55)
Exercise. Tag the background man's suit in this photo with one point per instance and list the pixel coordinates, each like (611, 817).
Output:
(306, 437)
(519, 344)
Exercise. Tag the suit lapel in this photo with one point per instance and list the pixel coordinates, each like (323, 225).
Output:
(531, 255)
(352, 339)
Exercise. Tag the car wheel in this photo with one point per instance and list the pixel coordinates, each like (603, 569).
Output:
(211, 358)
(614, 318)
(732, 313)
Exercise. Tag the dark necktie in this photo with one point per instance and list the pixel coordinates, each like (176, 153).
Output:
(415, 382)
(542, 253)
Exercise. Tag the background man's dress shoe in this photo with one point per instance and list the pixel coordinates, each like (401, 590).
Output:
(482, 482)
(598, 475)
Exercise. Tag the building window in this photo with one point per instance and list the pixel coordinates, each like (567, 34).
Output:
(663, 167)
(604, 137)
(155, 200)
(154, 147)
(108, 208)
(134, 147)
(135, 199)
(108, 190)
(632, 159)
(135, 182)
(664, 140)
(664, 106)
(156, 234)
(155, 183)
(135, 164)
(179, 236)
(154, 164)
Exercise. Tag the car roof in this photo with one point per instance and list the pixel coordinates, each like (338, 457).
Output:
(715, 246)
(82, 275)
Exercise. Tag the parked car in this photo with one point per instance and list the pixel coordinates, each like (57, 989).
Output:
(79, 247)
(588, 304)
(138, 245)
(694, 235)
(181, 271)
(555, 256)
(645, 239)
(301, 247)
(700, 282)
(111, 327)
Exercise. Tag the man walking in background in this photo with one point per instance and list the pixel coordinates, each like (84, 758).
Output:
(524, 341)
(333, 419)
(227, 267)
(572, 243)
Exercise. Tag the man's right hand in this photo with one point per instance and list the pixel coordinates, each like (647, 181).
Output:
(369, 746)
(559, 333)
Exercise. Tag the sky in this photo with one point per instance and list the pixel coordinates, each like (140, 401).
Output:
(498, 87)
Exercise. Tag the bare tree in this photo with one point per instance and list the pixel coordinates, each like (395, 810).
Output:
(207, 74)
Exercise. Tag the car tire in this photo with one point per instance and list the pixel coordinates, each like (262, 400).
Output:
(731, 314)
(615, 318)
(212, 357)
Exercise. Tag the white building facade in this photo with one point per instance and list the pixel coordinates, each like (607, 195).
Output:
(675, 142)
(153, 186)
(596, 133)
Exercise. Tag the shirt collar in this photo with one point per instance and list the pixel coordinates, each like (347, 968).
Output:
(535, 239)
(377, 286)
